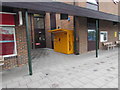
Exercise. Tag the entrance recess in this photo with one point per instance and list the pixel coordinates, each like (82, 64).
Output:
(39, 31)
(91, 34)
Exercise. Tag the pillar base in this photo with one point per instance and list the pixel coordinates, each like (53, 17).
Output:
(77, 54)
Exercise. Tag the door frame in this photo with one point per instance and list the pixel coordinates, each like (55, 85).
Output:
(93, 26)
(88, 40)
(52, 42)
(38, 28)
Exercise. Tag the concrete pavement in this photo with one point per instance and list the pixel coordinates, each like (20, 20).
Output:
(56, 70)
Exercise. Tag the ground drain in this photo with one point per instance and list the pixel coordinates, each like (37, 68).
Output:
(102, 62)
(111, 77)
(73, 67)
(55, 85)
(110, 63)
(106, 79)
(69, 73)
(46, 74)
(95, 70)
(108, 70)
(112, 67)
(67, 69)
(97, 63)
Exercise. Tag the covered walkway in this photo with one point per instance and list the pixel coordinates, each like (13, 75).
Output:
(57, 7)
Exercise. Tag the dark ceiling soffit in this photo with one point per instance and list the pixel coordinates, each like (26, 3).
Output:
(58, 7)
(36, 12)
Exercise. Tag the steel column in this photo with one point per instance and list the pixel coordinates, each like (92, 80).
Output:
(28, 44)
(97, 34)
(76, 52)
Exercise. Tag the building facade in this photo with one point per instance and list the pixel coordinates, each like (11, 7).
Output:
(87, 25)
(41, 22)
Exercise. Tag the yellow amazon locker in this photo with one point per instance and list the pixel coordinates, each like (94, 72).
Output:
(63, 41)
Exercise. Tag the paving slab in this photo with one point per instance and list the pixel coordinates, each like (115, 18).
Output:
(56, 70)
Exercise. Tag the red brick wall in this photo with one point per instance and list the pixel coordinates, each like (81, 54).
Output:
(82, 34)
(108, 7)
(104, 26)
(21, 57)
(108, 26)
(10, 63)
(104, 6)
(31, 29)
(81, 3)
(48, 27)
(65, 24)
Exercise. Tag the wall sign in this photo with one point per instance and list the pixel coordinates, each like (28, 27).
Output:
(7, 33)
(7, 19)
(103, 36)
(115, 34)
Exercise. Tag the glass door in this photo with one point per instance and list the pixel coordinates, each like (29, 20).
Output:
(91, 39)
(39, 31)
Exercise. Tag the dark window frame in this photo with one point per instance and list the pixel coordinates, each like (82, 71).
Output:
(42, 16)
(93, 3)
(63, 16)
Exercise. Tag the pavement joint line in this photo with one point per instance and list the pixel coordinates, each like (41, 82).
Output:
(62, 68)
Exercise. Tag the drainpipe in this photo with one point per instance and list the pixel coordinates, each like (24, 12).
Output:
(97, 41)
(28, 44)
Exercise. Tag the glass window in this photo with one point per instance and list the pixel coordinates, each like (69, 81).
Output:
(91, 35)
(116, 1)
(39, 22)
(103, 36)
(92, 4)
(92, 1)
(91, 23)
(8, 41)
(64, 16)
